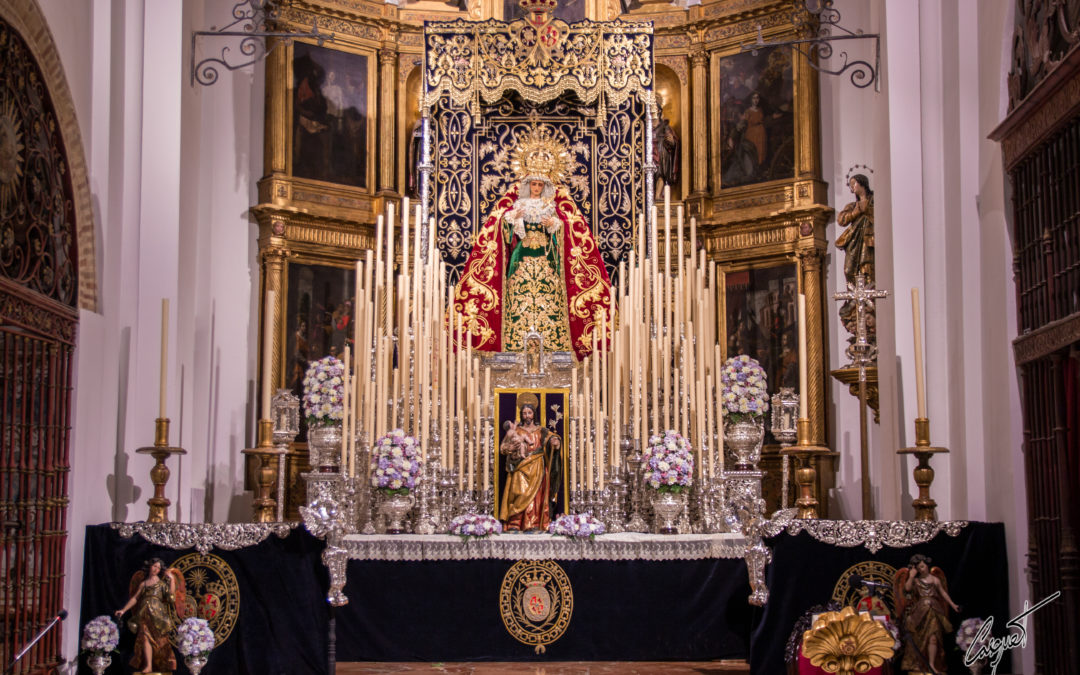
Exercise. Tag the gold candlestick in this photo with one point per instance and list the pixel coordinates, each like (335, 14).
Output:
(925, 507)
(806, 474)
(159, 473)
(264, 506)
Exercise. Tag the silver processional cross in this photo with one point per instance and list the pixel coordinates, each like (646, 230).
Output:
(862, 353)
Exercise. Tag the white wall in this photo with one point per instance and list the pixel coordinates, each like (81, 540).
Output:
(172, 173)
(940, 226)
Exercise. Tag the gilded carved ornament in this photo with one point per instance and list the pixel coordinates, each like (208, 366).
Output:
(845, 642)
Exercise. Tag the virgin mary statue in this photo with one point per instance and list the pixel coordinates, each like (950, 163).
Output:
(535, 264)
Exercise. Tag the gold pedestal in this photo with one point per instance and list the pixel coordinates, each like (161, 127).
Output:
(805, 475)
(264, 507)
(159, 474)
(925, 507)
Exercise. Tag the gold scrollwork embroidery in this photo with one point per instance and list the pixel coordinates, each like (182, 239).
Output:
(536, 602)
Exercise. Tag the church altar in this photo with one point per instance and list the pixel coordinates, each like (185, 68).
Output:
(436, 597)
(534, 339)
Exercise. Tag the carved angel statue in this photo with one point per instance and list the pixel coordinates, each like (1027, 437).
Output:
(158, 595)
(922, 609)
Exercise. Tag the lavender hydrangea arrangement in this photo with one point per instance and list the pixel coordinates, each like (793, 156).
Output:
(968, 632)
(580, 525)
(668, 462)
(324, 391)
(100, 635)
(194, 637)
(742, 389)
(396, 467)
(474, 525)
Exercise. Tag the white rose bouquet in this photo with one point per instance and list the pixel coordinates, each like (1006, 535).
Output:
(194, 637)
(396, 467)
(579, 525)
(324, 391)
(668, 462)
(967, 632)
(474, 525)
(742, 389)
(100, 635)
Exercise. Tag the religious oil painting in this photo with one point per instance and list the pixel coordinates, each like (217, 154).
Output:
(762, 321)
(330, 115)
(318, 320)
(757, 124)
(531, 472)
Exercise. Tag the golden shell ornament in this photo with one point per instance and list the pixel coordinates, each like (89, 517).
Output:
(845, 642)
(540, 152)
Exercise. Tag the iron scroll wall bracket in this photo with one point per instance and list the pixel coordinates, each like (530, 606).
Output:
(251, 24)
(819, 19)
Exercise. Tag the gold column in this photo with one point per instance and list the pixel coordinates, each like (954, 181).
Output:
(815, 343)
(275, 124)
(812, 284)
(714, 113)
(387, 107)
(274, 280)
(808, 149)
(699, 94)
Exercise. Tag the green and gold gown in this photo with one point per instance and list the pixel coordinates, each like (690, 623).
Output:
(535, 291)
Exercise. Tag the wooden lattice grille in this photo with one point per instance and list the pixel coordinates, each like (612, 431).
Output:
(35, 391)
(1046, 228)
(1047, 224)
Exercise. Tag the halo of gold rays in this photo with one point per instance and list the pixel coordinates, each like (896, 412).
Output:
(11, 148)
(540, 152)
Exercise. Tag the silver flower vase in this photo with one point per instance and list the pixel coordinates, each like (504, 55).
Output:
(396, 507)
(195, 662)
(743, 439)
(324, 448)
(667, 506)
(98, 662)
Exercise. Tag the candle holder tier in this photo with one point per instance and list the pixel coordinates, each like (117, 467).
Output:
(159, 473)
(925, 506)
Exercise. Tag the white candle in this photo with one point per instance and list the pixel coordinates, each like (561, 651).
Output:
(920, 381)
(162, 380)
(802, 358)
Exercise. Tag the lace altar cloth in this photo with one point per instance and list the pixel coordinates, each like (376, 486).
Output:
(623, 546)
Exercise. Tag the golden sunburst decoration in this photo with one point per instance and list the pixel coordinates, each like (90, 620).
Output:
(541, 153)
(11, 148)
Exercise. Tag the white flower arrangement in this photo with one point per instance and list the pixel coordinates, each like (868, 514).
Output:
(324, 391)
(580, 525)
(395, 463)
(475, 525)
(668, 462)
(743, 392)
(100, 634)
(967, 632)
(194, 637)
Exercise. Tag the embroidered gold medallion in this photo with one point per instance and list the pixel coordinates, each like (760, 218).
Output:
(536, 602)
(212, 592)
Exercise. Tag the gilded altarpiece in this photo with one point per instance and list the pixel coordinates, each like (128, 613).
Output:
(333, 158)
(772, 209)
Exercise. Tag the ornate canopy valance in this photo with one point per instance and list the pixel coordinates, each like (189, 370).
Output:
(539, 57)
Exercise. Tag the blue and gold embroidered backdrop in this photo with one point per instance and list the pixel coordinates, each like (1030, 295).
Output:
(593, 89)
